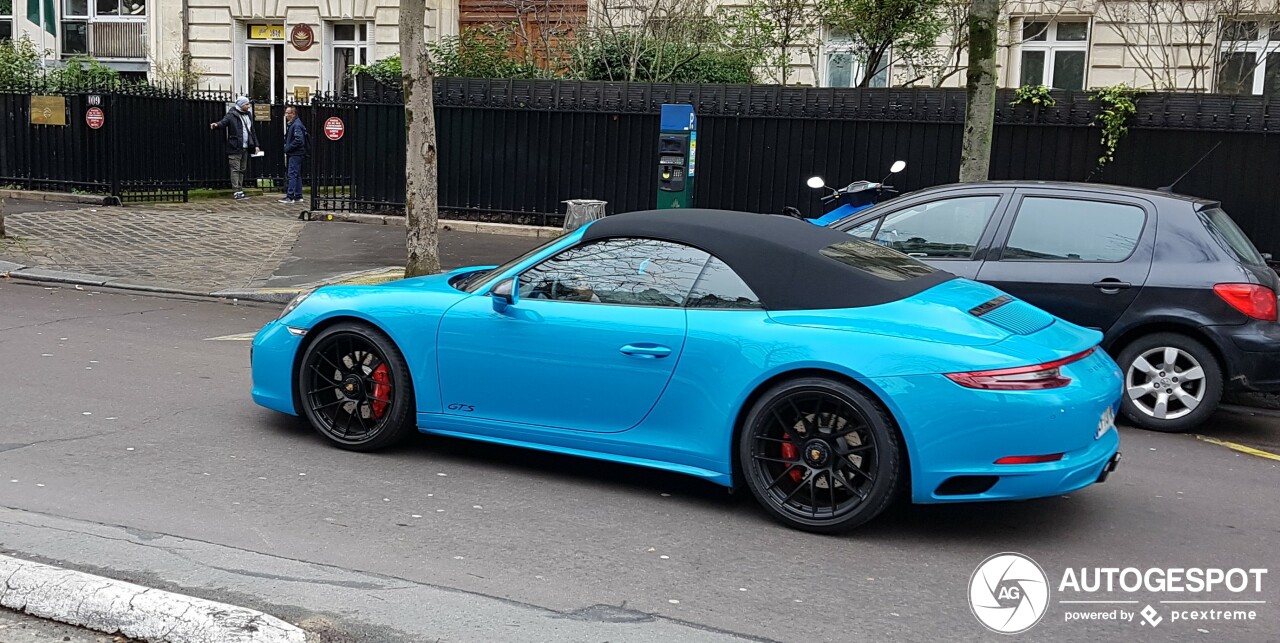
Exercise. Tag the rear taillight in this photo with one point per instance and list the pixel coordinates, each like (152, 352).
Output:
(1258, 302)
(1021, 378)
(1030, 459)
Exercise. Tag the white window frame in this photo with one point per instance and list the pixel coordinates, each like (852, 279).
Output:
(1259, 47)
(91, 16)
(333, 44)
(1051, 46)
(835, 44)
(91, 12)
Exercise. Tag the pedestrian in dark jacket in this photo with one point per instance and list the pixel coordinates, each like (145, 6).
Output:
(241, 139)
(295, 149)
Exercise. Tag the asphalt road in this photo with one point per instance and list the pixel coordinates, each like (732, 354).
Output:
(129, 447)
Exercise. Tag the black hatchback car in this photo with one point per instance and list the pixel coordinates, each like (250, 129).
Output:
(1187, 304)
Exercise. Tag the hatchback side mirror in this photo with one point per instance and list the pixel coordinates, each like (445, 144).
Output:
(505, 293)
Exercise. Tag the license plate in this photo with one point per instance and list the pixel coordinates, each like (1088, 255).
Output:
(1105, 423)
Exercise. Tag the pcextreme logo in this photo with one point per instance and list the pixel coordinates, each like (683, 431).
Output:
(1009, 593)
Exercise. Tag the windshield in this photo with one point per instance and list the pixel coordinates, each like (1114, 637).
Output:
(472, 282)
(1230, 236)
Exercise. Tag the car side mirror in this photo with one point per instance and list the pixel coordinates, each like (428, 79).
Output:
(1266, 256)
(505, 293)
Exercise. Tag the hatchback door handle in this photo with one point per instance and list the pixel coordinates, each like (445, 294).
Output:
(1111, 286)
(646, 351)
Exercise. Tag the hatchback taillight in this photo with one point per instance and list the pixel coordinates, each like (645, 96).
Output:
(1258, 302)
(1020, 378)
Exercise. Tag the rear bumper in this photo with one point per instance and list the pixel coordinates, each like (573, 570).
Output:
(955, 435)
(1253, 355)
(1073, 472)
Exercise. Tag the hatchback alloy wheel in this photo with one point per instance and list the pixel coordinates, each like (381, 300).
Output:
(1171, 382)
(1165, 383)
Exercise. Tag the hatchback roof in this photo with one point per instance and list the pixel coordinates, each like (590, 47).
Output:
(1077, 185)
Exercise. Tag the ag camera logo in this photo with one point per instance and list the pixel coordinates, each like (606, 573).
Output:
(1009, 593)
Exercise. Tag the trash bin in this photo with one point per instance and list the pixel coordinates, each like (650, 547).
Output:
(581, 212)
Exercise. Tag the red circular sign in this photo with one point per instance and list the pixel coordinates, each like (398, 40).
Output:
(333, 128)
(302, 37)
(95, 118)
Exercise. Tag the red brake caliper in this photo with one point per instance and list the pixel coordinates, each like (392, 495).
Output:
(789, 452)
(381, 389)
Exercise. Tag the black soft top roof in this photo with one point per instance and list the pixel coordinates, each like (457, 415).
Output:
(777, 256)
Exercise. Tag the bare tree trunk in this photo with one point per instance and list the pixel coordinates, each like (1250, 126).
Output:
(421, 198)
(980, 106)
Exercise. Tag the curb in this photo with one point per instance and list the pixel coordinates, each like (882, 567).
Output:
(543, 232)
(61, 197)
(1249, 410)
(20, 272)
(112, 606)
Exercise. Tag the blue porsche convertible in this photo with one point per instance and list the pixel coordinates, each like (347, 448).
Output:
(827, 374)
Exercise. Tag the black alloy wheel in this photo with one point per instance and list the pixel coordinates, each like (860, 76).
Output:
(820, 455)
(354, 388)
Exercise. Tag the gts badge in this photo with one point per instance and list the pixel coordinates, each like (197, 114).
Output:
(462, 408)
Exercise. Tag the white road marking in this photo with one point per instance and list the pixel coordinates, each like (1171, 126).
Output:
(242, 337)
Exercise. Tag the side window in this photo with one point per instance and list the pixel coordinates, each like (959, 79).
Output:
(865, 230)
(946, 229)
(1053, 229)
(720, 287)
(631, 272)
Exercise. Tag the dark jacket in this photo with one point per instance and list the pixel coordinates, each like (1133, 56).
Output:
(234, 127)
(295, 139)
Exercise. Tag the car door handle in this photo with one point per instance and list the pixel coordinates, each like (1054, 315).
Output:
(645, 351)
(1111, 286)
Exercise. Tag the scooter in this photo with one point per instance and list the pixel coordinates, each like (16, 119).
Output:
(852, 198)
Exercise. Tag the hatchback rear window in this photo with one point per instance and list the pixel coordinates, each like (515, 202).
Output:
(1230, 236)
(876, 260)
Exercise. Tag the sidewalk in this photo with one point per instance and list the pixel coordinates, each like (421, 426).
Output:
(255, 249)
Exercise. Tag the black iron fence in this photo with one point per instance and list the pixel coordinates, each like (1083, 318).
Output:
(514, 150)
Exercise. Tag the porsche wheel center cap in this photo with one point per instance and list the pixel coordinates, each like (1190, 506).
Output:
(817, 453)
(352, 387)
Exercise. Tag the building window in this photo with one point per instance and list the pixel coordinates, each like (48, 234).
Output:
(1053, 53)
(349, 46)
(78, 14)
(6, 19)
(1249, 60)
(846, 66)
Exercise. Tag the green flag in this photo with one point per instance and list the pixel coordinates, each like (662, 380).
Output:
(47, 18)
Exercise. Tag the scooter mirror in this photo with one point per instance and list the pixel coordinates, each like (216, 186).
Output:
(817, 183)
(897, 166)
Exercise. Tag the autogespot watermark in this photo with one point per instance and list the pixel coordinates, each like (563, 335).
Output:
(1010, 593)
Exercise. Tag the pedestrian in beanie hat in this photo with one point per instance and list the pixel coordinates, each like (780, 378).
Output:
(240, 141)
